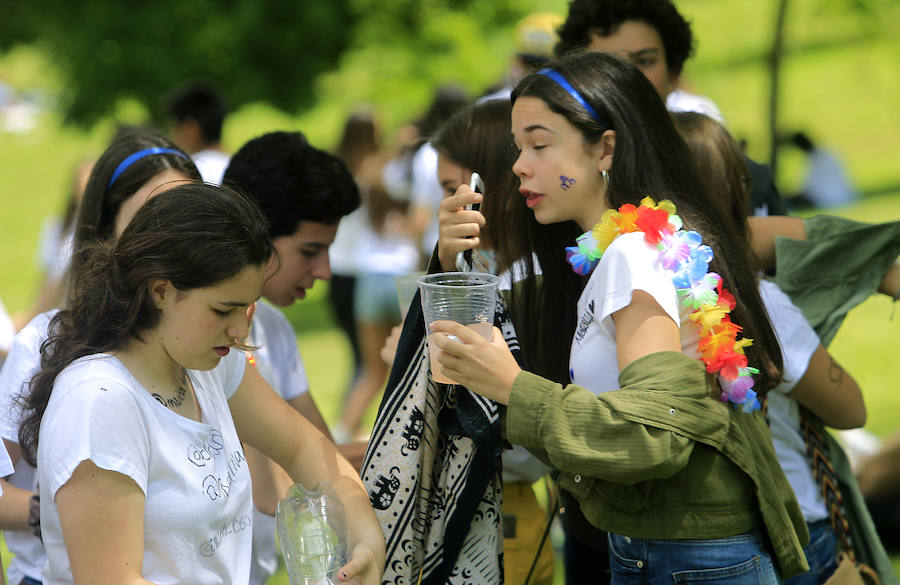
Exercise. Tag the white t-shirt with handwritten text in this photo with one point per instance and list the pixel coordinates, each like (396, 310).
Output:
(198, 507)
(629, 264)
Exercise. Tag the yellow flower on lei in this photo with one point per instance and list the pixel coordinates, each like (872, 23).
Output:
(606, 230)
(707, 317)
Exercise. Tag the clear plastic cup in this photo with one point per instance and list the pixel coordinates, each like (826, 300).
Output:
(468, 298)
(406, 290)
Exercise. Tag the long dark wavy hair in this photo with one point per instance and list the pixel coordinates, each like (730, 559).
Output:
(650, 159)
(193, 235)
(478, 139)
(721, 166)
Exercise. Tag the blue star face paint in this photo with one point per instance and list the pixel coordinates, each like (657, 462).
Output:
(566, 182)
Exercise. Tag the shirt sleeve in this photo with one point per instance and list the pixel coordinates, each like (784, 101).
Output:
(288, 363)
(22, 363)
(795, 335)
(6, 466)
(109, 430)
(295, 383)
(577, 431)
(630, 264)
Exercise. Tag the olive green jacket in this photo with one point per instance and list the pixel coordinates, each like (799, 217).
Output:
(660, 458)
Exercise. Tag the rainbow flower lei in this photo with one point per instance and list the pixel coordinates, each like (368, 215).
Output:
(683, 255)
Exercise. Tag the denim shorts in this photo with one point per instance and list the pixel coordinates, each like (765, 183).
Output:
(821, 554)
(375, 299)
(738, 560)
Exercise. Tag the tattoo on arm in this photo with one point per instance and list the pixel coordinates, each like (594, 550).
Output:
(835, 372)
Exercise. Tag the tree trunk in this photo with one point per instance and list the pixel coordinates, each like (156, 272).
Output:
(774, 86)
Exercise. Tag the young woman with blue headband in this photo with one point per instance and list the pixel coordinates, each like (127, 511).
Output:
(658, 436)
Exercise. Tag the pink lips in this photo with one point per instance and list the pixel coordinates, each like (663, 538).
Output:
(531, 198)
(222, 351)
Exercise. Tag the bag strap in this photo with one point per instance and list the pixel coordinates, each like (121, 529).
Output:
(812, 431)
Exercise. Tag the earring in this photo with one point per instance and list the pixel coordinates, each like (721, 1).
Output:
(605, 176)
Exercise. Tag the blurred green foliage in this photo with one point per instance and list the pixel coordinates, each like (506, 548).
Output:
(112, 50)
(270, 51)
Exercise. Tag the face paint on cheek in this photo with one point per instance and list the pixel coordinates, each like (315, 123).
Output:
(566, 182)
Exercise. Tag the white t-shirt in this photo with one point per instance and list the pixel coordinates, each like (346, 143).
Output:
(344, 251)
(55, 251)
(278, 358)
(7, 330)
(198, 507)
(22, 364)
(826, 183)
(211, 164)
(427, 191)
(682, 101)
(798, 342)
(628, 264)
(385, 253)
(6, 466)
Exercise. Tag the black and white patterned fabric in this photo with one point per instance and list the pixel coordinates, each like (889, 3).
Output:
(432, 470)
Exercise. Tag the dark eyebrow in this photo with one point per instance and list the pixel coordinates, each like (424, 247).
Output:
(534, 127)
(643, 52)
(238, 303)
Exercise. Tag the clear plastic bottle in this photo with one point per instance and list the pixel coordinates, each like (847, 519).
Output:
(312, 530)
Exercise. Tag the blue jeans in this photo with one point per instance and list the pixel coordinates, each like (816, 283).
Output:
(821, 554)
(736, 560)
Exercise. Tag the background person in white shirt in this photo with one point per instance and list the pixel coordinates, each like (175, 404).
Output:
(303, 192)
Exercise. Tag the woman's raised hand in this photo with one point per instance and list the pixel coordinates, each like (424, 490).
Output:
(485, 367)
(458, 227)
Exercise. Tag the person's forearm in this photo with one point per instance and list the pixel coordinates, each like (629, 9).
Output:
(305, 405)
(270, 482)
(363, 527)
(14, 508)
(764, 230)
(890, 284)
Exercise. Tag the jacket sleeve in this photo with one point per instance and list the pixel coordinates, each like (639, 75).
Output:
(577, 431)
(838, 266)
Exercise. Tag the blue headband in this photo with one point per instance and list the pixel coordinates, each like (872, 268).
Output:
(138, 156)
(561, 81)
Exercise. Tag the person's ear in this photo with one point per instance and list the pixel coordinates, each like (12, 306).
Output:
(162, 292)
(603, 150)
